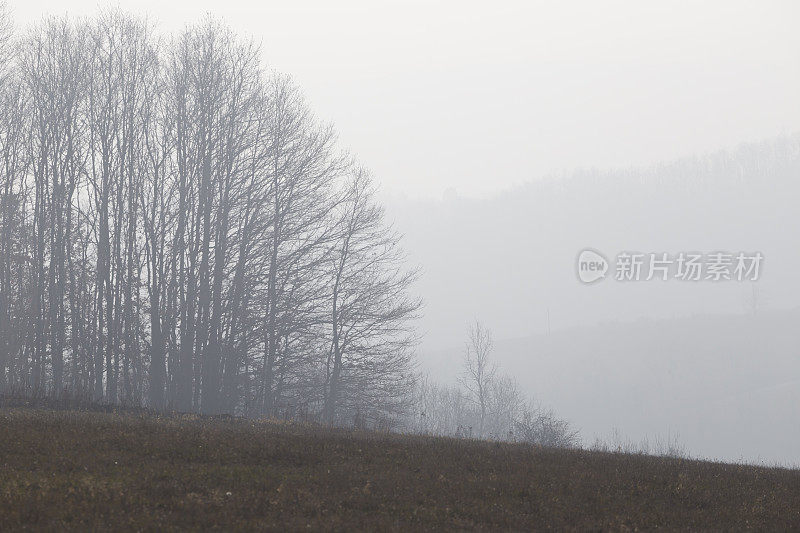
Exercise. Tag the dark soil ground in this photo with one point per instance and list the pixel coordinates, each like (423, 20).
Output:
(136, 471)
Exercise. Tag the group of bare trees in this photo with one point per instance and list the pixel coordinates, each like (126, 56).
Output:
(179, 231)
(487, 404)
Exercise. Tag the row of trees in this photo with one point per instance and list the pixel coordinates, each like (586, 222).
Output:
(179, 231)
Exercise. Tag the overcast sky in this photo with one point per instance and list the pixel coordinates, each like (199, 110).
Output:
(476, 96)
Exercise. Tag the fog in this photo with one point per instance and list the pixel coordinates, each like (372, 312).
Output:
(506, 140)
(715, 362)
(433, 95)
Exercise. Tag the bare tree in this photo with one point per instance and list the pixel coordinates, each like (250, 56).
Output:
(369, 364)
(13, 169)
(302, 167)
(540, 426)
(479, 370)
(55, 58)
(157, 194)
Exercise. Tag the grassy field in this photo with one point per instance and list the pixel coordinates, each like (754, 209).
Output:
(108, 471)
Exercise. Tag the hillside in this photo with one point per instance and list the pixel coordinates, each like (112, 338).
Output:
(80, 471)
(727, 385)
(509, 259)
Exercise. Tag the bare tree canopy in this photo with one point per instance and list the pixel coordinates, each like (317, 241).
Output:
(180, 231)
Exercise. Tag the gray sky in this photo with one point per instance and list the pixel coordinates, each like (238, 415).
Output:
(433, 95)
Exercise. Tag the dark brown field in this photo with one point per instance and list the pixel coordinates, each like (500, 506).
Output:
(106, 471)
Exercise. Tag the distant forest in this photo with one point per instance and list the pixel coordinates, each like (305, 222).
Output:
(180, 232)
(516, 250)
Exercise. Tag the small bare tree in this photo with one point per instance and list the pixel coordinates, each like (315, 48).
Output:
(479, 369)
(536, 425)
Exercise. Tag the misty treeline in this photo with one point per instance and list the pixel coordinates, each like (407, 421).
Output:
(179, 231)
(486, 404)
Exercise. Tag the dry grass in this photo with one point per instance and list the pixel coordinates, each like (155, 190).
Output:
(111, 471)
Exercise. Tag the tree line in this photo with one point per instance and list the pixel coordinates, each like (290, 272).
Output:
(179, 231)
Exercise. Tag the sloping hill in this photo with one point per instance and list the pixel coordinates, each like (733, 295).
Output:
(727, 385)
(106, 471)
(509, 260)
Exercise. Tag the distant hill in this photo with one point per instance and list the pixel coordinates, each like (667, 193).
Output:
(510, 259)
(727, 385)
